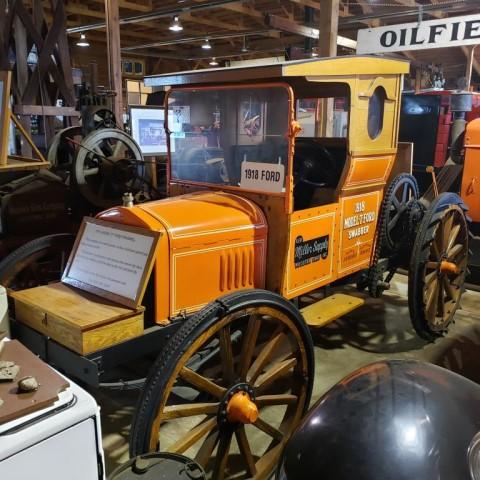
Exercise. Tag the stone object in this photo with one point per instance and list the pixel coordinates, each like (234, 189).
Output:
(27, 384)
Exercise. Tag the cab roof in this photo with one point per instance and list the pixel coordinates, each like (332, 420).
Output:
(324, 67)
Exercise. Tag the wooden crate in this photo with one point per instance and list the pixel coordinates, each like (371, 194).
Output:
(76, 319)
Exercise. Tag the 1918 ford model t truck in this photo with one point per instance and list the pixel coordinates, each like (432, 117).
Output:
(282, 179)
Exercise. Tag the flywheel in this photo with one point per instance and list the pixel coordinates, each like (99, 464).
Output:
(109, 163)
(438, 266)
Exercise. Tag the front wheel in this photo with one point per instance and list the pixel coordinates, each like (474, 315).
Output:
(438, 266)
(239, 371)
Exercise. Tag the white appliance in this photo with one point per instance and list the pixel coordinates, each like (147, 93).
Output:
(4, 320)
(60, 442)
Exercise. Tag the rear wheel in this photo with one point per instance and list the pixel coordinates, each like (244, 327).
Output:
(438, 266)
(240, 371)
(38, 262)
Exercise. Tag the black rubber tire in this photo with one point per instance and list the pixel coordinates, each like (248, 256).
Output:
(418, 259)
(391, 245)
(47, 243)
(164, 365)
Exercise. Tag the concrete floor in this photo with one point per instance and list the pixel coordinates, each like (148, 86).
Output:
(378, 330)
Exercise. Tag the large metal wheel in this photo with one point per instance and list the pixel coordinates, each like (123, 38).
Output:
(61, 151)
(438, 266)
(38, 262)
(240, 371)
(108, 164)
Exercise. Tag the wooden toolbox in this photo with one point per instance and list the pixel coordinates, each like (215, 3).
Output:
(76, 319)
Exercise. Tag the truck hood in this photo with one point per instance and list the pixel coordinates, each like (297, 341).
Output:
(202, 217)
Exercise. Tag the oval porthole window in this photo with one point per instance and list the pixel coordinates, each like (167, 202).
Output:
(376, 109)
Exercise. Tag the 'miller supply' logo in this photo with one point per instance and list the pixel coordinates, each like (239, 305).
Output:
(310, 251)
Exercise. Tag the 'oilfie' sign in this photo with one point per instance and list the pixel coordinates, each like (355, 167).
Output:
(446, 32)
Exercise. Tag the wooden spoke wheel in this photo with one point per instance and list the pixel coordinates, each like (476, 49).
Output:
(230, 387)
(438, 266)
(38, 262)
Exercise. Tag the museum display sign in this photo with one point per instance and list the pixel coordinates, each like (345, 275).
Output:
(112, 261)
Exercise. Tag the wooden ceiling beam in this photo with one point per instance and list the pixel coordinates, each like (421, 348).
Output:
(188, 17)
(137, 6)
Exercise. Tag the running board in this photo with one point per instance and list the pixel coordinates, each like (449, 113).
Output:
(329, 309)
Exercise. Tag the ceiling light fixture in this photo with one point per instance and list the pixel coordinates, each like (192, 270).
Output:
(206, 45)
(213, 62)
(175, 26)
(83, 42)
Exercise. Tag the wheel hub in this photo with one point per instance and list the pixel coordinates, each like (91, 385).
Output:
(238, 406)
(448, 268)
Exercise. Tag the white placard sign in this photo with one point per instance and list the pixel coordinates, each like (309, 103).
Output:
(445, 32)
(111, 259)
(263, 177)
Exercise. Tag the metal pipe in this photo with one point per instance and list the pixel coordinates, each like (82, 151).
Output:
(453, 6)
(164, 12)
(198, 39)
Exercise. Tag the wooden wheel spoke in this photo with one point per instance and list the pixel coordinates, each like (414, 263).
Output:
(226, 355)
(202, 383)
(450, 290)
(189, 410)
(221, 459)
(436, 249)
(268, 429)
(453, 237)
(432, 266)
(280, 399)
(447, 229)
(264, 356)
(441, 302)
(454, 251)
(206, 449)
(248, 347)
(432, 297)
(245, 451)
(276, 372)
(269, 460)
(193, 436)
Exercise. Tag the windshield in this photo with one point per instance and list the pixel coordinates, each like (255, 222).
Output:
(235, 136)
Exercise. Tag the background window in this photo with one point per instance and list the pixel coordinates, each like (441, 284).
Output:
(376, 108)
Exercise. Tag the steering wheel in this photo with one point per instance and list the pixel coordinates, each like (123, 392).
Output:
(315, 171)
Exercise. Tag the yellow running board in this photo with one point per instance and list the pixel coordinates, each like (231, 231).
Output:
(329, 309)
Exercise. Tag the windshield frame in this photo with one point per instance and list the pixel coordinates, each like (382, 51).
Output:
(242, 86)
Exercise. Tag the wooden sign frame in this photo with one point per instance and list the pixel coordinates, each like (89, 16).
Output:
(114, 297)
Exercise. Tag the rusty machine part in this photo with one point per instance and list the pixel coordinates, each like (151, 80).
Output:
(107, 164)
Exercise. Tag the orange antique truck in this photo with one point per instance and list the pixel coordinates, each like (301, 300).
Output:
(282, 179)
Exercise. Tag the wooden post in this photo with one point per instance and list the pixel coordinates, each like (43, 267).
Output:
(114, 56)
(471, 60)
(329, 12)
